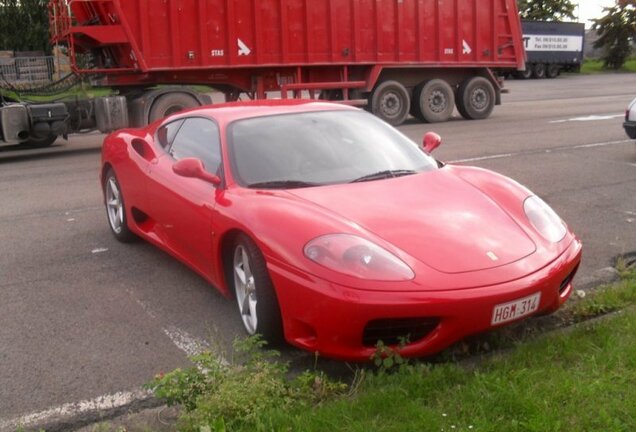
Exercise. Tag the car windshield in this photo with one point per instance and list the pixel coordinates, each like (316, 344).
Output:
(320, 148)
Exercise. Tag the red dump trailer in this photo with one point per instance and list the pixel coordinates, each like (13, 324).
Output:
(395, 57)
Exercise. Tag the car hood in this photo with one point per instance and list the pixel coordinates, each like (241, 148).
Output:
(436, 217)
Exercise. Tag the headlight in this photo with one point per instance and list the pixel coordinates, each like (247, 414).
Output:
(544, 219)
(354, 256)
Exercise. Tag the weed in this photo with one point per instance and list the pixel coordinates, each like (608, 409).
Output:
(219, 397)
(386, 358)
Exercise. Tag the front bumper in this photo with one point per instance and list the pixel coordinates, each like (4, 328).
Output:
(330, 319)
(630, 128)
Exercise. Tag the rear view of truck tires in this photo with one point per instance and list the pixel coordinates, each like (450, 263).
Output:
(433, 100)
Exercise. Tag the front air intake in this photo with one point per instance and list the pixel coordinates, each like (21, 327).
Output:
(393, 331)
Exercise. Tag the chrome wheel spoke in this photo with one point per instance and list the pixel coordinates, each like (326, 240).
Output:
(246, 266)
(245, 306)
(240, 274)
(245, 289)
(113, 188)
(252, 309)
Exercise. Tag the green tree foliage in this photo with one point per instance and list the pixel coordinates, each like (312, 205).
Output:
(616, 31)
(24, 25)
(546, 10)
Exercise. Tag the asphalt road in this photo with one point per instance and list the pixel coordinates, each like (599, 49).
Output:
(83, 316)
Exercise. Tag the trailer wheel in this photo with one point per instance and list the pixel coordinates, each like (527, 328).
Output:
(44, 142)
(553, 71)
(171, 103)
(475, 98)
(539, 71)
(391, 102)
(524, 74)
(433, 101)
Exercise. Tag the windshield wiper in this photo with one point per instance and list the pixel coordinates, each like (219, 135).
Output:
(282, 184)
(384, 174)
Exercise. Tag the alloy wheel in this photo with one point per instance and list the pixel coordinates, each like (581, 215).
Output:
(245, 288)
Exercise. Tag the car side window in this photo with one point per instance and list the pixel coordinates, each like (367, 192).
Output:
(166, 133)
(199, 138)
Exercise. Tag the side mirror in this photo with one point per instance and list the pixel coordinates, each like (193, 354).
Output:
(431, 141)
(193, 168)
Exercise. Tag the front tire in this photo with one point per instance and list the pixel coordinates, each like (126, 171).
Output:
(115, 209)
(254, 291)
(41, 143)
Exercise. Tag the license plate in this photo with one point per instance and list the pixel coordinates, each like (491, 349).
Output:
(515, 309)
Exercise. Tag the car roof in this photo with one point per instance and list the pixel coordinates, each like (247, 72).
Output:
(231, 111)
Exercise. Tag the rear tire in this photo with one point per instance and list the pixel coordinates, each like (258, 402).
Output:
(115, 209)
(433, 101)
(391, 102)
(475, 98)
(524, 74)
(539, 71)
(171, 103)
(254, 291)
(553, 71)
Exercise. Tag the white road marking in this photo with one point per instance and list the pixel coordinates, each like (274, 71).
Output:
(185, 342)
(69, 410)
(475, 159)
(144, 306)
(507, 155)
(601, 144)
(99, 250)
(190, 345)
(182, 339)
(590, 118)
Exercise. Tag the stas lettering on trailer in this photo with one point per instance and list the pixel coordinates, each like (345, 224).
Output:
(418, 57)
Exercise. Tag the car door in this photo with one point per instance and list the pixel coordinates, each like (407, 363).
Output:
(183, 207)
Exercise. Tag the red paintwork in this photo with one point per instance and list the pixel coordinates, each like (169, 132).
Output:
(440, 223)
(273, 43)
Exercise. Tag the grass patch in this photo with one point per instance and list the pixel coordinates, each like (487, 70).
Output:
(602, 301)
(596, 66)
(577, 380)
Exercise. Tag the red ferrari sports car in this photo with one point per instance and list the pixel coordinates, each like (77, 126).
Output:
(333, 231)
